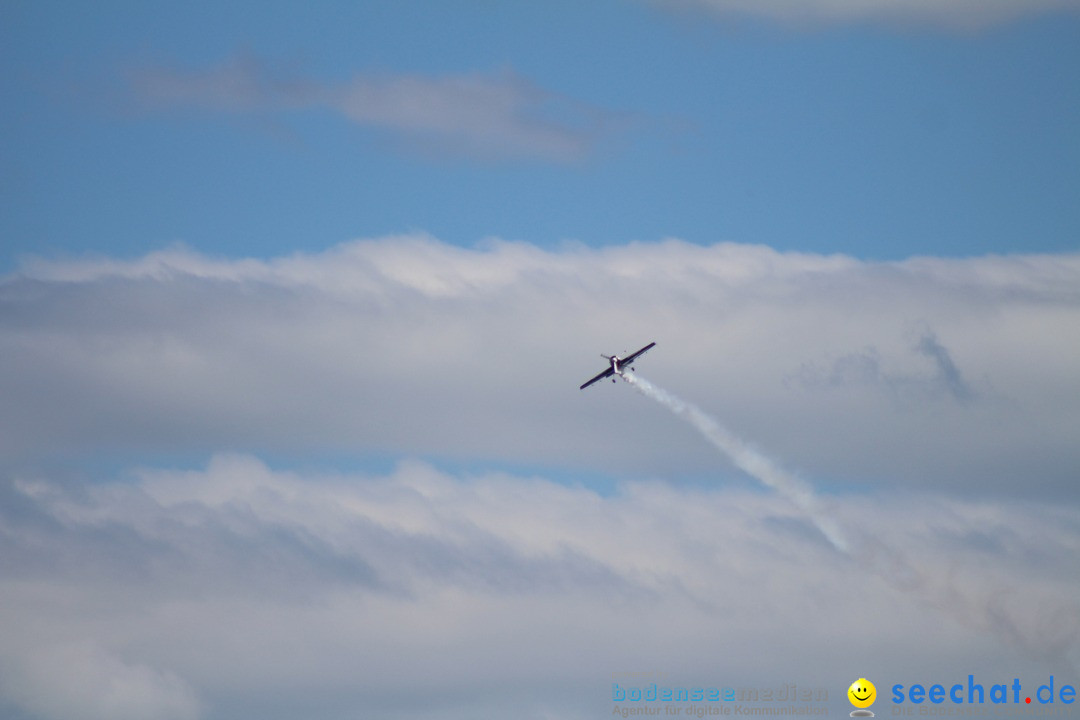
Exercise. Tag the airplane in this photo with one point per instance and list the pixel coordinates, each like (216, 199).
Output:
(617, 365)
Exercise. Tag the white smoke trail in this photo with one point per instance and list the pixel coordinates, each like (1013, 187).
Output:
(972, 606)
(749, 460)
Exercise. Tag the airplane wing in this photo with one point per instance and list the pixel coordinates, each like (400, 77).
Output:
(607, 373)
(623, 362)
(630, 358)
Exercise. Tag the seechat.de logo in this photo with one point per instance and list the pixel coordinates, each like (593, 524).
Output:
(862, 694)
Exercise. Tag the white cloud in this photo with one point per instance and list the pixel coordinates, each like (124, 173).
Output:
(411, 346)
(489, 116)
(951, 13)
(238, 585)
(81, 682)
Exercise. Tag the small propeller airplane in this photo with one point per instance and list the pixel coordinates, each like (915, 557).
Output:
(618, 365)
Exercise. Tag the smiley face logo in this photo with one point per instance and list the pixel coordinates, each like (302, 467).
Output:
(862, 693)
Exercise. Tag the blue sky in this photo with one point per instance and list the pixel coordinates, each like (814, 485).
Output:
(877, 139)
(295, 302)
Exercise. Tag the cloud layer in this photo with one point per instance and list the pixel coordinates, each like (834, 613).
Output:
(237, 590)
(956, 374)
(943, 390)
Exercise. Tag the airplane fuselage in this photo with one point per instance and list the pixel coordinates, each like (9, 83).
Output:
(615, 360)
